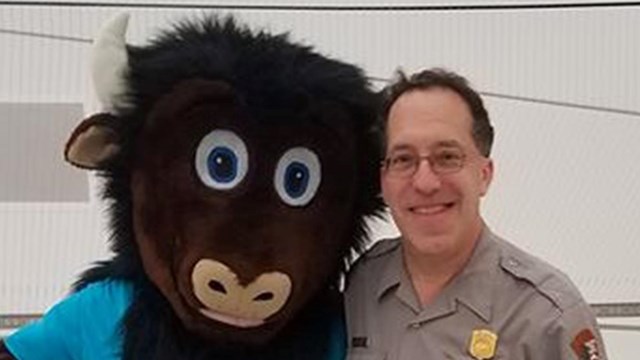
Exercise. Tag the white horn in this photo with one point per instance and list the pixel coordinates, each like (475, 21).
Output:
(109, 63)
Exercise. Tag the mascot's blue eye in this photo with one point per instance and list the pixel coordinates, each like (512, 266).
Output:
(221, 160)
(296, 179)
(223, 164)
(297, 176)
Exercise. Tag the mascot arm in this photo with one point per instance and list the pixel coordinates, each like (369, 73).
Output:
(85, 325)
(4, 353)
(338, 340)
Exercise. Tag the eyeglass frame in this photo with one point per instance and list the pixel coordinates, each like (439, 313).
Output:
(416, 160)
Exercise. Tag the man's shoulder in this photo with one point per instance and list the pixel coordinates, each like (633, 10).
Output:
(378, 252)
(382, 248)
(557, 316)
(548, 281)
(372, 262)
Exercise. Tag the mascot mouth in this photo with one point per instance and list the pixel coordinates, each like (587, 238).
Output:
(231, 320)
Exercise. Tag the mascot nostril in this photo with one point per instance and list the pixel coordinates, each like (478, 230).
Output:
(225, 300)
(217, 286)
(264, 297)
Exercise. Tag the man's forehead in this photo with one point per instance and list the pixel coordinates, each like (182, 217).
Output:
(440, 144)
(425, 134)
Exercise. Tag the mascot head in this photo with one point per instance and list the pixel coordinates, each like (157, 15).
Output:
(239, 167)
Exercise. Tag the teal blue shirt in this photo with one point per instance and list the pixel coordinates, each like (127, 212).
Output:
(88, 325)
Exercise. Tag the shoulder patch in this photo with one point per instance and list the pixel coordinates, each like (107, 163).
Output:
(585, 345)
(382, 247)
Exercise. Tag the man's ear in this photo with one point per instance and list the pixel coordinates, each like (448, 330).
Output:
(486, 173)
(93, 143)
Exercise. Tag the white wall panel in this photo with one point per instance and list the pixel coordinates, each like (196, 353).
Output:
(621, 344)
(39, 69)
(342, 3)
(34, 133)
(43, 249)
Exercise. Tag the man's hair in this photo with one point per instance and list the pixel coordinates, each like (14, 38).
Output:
(482, 131)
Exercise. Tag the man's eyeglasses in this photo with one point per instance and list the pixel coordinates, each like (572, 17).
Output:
(441, 161)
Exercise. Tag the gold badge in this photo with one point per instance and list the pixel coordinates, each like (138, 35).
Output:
(483, 344)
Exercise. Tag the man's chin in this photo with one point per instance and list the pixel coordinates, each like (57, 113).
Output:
(431, 243)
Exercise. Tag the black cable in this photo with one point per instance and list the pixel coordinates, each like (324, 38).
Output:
(562, 104)
(45, 36)
(476, 7)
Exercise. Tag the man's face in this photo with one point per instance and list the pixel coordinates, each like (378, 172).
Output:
(437, 214)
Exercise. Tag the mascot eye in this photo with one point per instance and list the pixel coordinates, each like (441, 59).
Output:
(221, 160)
(297, 176)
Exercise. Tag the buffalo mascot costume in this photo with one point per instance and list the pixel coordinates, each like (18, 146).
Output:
(239, 169)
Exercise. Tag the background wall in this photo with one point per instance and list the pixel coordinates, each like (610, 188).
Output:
(560, 83)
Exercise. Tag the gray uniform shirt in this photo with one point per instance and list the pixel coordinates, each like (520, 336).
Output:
(529, 310)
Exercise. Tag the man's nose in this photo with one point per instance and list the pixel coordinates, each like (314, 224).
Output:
(425, 179)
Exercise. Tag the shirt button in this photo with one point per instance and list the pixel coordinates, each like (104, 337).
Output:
(415, 325)
(513, 262)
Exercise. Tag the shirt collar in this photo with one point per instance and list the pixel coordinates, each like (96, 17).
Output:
(393, 271)
(473, 287)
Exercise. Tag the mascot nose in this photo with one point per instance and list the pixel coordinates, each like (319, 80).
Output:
(225, 300)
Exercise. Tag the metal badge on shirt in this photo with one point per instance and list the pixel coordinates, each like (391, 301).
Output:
(483, 344)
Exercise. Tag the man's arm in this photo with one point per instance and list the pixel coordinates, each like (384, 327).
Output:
(582, 336)
(572, 336)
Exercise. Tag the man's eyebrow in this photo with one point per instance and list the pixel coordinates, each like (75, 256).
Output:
(448, 143)
(400, 147)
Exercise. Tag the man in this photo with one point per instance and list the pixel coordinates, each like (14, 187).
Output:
(449, 288)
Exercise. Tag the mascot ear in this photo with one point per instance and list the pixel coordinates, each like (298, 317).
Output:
(93, 143)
